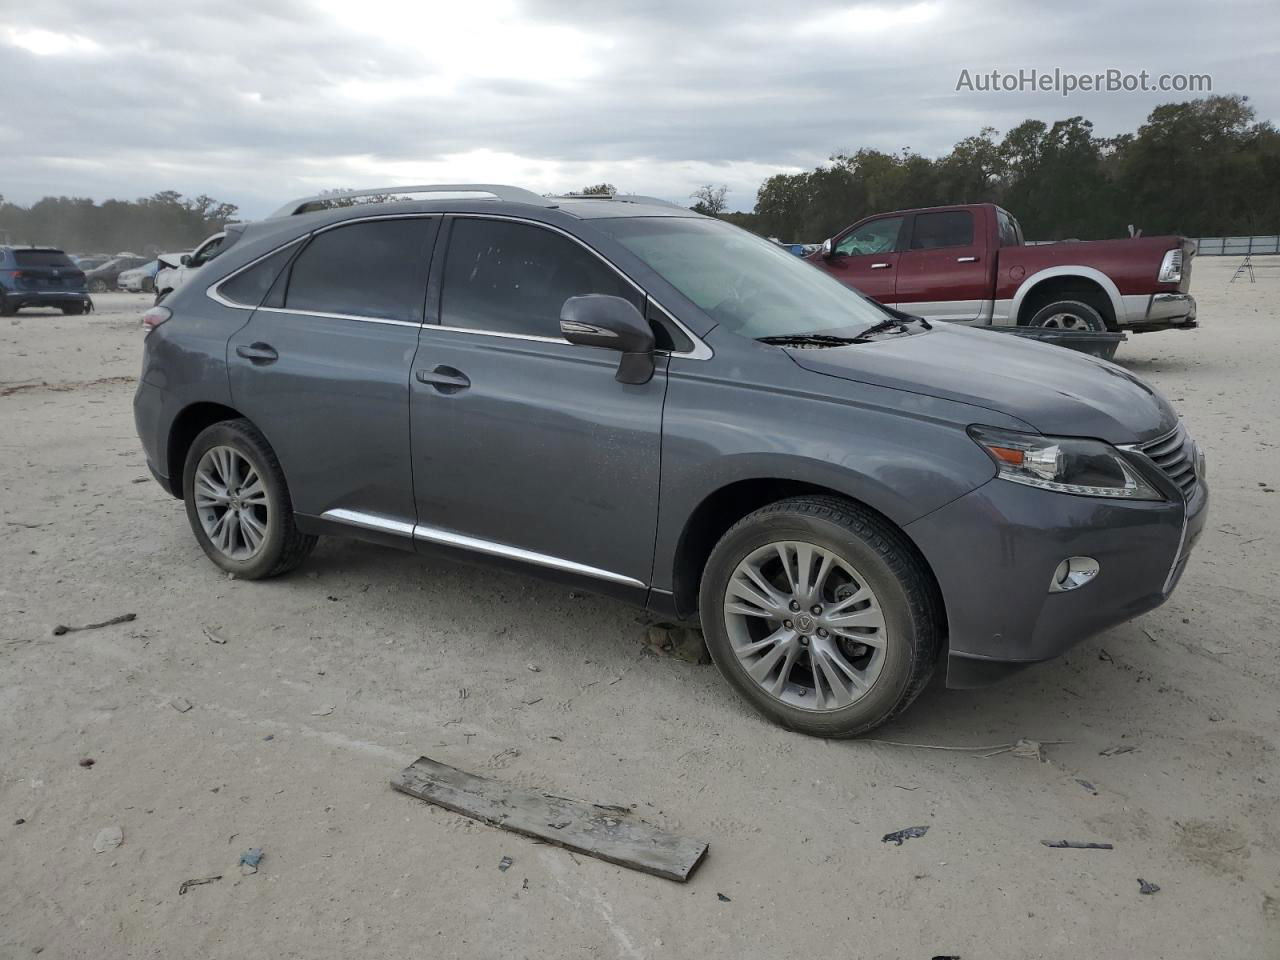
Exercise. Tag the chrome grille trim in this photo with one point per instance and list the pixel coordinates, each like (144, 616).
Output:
(1175, 455)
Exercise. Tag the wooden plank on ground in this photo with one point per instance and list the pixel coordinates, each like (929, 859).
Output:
(607, 832)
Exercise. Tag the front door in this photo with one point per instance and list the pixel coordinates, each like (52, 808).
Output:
(524, 445)
(943, 274)
(866, 258)
(322, 367)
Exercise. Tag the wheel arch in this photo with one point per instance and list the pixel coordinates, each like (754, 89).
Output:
(1089, 285)
(186, 426)
(725, 506)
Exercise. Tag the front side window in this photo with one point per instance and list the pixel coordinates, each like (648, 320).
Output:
(506, 277)
(748, 285)
(374, 269)
(950, 228)
(207, 252)
(878, 236)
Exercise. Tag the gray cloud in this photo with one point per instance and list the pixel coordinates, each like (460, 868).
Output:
(253, 102)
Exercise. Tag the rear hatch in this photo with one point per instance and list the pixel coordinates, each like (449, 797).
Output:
(46, 270)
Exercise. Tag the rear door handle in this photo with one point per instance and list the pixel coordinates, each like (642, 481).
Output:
(260, 353)
(966, 259)
(881, 266)
(444, 379)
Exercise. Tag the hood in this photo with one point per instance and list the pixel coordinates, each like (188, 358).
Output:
(1058, 391)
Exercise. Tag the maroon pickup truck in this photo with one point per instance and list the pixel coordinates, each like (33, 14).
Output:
(970, 264)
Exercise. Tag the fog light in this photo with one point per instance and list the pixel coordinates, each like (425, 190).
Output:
(1073, 572)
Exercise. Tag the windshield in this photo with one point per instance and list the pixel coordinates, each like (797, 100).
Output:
(749, 285)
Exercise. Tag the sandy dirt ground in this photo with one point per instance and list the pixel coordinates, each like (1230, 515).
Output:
(333, 678)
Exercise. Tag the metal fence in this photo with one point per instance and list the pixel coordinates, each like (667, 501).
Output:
(1236, 246)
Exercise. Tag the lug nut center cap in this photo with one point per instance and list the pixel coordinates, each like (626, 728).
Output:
(805, 624)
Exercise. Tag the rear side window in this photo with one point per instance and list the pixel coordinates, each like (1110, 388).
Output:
(1009, 236)
(952, 228)
(42, 258)
(249, 287)
(513, 278)
(376, 269)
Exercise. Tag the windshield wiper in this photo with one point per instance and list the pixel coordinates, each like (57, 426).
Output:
(807, 340)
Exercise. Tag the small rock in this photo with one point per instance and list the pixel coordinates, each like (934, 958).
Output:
(723, 899)
(249, 861)
(20, 821)
(505, 864)
(87, 762)
(214, 635)
(901, 836)
(1146, 887)
(1215, 716)
(181, 704)
(533, 668)
(324, 711)
(108, 838)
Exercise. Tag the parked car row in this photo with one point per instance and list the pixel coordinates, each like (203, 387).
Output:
(631, 397)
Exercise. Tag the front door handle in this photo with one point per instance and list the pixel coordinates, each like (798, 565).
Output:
(881, 266)
(966, 259)
(444, 379)
(259, 353)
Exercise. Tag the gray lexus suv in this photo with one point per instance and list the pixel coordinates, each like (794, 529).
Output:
(629, 397)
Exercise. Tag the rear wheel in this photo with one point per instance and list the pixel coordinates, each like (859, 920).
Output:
(7, 307)
(821, 615)
(238, 503)
(1069, 315)
(73, 309)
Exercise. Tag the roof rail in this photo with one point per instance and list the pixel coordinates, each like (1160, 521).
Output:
(459, 191)
(620, 198)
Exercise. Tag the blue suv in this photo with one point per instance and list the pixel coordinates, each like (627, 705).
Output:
(37, 276)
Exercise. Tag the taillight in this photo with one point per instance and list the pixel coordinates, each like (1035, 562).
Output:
(154, 317)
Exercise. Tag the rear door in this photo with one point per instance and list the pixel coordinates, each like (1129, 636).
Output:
(866, 258)
(944, 273)
(322, 367)
(525, 447)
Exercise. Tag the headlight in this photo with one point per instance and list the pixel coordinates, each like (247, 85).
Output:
(1171, 267)
(1087, 468)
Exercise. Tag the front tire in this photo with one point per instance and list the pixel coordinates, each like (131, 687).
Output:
(99, 286)
(238, 503)
(821, 615)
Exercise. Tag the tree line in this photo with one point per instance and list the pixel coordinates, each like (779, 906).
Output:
(1205, 167)
(149, 225)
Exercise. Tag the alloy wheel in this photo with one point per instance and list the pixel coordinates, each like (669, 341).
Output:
(1066, 321)
(231, 502)
(805, 625)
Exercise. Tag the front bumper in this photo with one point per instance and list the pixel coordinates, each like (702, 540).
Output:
(994, 552)
(1162, 311)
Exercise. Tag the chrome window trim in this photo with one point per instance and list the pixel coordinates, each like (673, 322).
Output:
(371, 521)
(700, 349)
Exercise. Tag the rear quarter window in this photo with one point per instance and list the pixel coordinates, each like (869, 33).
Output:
(42, 258)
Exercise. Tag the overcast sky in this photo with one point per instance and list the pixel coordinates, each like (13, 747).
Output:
(255, 101)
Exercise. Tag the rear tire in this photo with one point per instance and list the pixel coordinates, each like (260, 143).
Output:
(858, 659)
(1069, 315)
(6, 308)
(73, 310)
(238, 503)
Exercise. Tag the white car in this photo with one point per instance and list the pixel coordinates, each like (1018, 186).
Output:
(175, 268)
(140, 279)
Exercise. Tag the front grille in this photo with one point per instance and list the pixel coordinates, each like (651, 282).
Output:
(1175, 454)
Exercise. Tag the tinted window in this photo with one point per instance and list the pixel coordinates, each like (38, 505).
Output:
(372, 269)
(954, 228)
(514, 278)
(878, 236)
(1008, 230)
(207, 252)
(249, 287)
(42, 258)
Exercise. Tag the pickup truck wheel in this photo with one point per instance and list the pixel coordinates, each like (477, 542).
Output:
(238, 503)
(820, 614)
(1069, 315)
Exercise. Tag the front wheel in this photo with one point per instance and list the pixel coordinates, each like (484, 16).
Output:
(821, 615)
(238, 503)
(99, 286)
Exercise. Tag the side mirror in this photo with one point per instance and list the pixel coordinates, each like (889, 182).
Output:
(828, 249)
(185, 259)
(597, 320)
